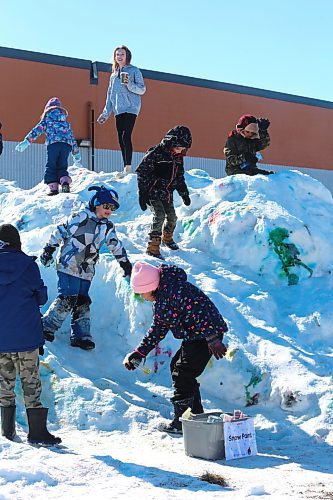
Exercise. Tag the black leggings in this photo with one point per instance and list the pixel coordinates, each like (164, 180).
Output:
(125, 124)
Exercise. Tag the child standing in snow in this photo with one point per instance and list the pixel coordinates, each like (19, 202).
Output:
(123, 99)
(184, 309)
(250, 136)
(22, 291)
(60, 142)
(160, 172)
(80, 239)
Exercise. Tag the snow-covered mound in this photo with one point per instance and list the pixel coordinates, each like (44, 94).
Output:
(280, 349)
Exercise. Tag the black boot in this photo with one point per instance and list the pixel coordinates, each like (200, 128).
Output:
(8, 417)
(175, 426)
(38, 433)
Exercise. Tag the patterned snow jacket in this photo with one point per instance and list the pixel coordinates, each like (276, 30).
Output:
(22, 291)
(182, 308)
(160, 172)
(122, 98)
(80, 239)
(237, 145)
(55, 126)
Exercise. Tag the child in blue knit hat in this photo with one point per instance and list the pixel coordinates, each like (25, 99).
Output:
(80, 239)
(60, 141)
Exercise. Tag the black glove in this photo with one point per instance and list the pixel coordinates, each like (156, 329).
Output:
(216, 346)
(263, 123)
(46, 257)
(126, 267)
(250, 158)
(41, 350)
(132, 360)
(186, 200)
(143, 201)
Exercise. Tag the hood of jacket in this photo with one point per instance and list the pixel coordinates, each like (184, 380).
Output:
(171, 275)
(177, 137)
(13, 263)
(56, 114)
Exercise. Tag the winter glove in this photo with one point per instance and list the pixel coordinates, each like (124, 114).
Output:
(22, 146)
(216, 346)
(77, 158)
(126, 267)
(41, 350)
(186, 200)
(132, 360)
(250, 158)
(46, 257)
(143, 201)
(101, 120)
(263, 124)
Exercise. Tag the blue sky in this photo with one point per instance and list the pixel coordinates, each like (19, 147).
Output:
(282, 45)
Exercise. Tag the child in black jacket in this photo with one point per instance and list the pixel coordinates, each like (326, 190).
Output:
(160, 173)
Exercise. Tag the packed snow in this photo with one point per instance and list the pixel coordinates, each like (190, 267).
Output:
(261, 249)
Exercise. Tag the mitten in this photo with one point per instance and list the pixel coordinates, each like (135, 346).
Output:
(216, 346)
(186, 200)
(263, 123)
(132, 360)
(46, 257)
(143, 201)
(101, 119)
(22, 145)
(77, 158)
(126, 267)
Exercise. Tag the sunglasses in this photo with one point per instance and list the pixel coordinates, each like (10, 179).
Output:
(108, 206)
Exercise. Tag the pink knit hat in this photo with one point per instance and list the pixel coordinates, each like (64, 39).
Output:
(144, 277)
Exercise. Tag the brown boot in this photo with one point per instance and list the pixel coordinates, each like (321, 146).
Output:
(153, 247)
(167, 240)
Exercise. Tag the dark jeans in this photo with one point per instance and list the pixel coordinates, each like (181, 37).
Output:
(57, 161)
(125, 124)
(187, 364)
(163, 213)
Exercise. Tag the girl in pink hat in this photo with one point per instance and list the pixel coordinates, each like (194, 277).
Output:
(192, 317)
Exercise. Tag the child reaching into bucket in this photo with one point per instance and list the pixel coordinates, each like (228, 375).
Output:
(192, 317)
(80, 239)
(60, 141)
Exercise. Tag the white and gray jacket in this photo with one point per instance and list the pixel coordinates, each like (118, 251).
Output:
(80, 239)
(122, 98)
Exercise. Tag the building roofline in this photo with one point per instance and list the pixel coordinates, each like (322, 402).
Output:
(40, 57)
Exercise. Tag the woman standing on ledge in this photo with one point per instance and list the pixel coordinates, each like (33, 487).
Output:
(123, 99)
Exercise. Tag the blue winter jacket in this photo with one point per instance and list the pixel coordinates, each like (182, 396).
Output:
(22, 291)
(123, 98)
(182, 308)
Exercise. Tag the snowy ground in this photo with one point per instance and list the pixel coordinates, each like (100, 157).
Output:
(278, 370)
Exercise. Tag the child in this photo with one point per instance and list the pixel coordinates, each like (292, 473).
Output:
(22, 291)
(80, 239)
(242, 144)
(184, 309)
(60, 142)
(160, 172)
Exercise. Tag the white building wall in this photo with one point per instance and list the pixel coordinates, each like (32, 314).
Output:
(27, 168)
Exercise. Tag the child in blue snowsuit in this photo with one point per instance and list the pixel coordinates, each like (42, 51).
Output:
(60, 141)
(80, 239)
(192, 317)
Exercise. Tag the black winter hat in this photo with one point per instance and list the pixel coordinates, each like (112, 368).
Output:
(9, 236)
(179, 136)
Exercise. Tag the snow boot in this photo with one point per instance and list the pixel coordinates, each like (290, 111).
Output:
(38, 433)
(175, 426)
(153, 247)
(86, 344)
(8, 417)
(54, 188)
(167, 240)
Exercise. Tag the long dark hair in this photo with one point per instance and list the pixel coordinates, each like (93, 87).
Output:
(115, 65)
